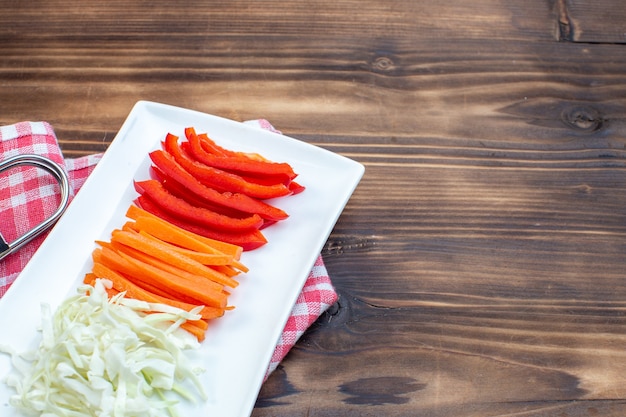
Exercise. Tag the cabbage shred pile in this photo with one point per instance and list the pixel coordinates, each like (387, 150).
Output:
(115, 357)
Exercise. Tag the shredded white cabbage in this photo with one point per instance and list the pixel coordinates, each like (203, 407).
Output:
(101, 357)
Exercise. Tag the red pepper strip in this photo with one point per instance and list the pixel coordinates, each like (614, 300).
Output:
(213, 148)
(296, 188)
(265, 180)
(241, 202)
(237, 164)
(181, 192)
(267, 223)
(248, 240)
(220, 179)
(180, 208)
(185, 147)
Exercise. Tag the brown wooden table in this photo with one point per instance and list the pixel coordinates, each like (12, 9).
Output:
(480, 263)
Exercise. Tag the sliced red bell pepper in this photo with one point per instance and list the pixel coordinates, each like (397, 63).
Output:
(213, 148)
(181, 192)
(182, 209)
(219, 179)
(240, 202)
(296, 188)
(238, 164)
(248, 240)
(267, 223)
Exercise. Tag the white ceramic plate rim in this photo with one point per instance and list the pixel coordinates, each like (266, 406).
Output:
(238, 346)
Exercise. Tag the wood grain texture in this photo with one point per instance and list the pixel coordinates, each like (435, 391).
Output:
(480, 263)
(602, 21)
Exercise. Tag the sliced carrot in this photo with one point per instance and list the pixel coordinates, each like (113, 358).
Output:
(226, 270)
(151, 227)
(169, 232)
(131, 225)
(158, 250)
(103, 243)
(212, 258)
(191, 327)
(158, 263)
(203, 258)
(191, 291)
(121, 283)
(109, 257)
(90, 278)
(202, 323)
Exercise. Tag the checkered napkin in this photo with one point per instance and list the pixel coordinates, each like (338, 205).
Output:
(28, 196)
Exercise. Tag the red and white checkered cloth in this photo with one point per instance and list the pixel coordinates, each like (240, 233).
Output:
(29, 195)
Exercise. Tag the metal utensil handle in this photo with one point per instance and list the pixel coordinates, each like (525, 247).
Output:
(59, 174)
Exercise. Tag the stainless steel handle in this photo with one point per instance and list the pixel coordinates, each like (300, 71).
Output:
(59, 174)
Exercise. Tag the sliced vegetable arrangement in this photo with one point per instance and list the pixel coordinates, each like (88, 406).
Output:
(117, 348)
(184, 239)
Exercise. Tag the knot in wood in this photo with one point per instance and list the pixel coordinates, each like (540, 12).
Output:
(382, 64)
(582, 118)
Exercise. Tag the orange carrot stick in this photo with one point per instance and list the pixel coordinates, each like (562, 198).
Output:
(201, 252)
(226, 270)
(121, 283)
(112, 260)
(189, 290)
(161, 251)
(173, 234)
(193, 291)
(202, 257)
(195, 330)
(156, 262)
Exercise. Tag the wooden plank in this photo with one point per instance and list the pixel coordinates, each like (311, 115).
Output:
(601, 21)
(467, 94)
(99, 60)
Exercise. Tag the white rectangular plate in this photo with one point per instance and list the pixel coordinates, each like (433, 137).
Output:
(239, 345)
